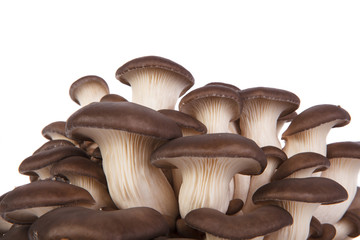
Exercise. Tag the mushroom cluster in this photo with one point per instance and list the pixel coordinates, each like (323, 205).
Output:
(214, 168)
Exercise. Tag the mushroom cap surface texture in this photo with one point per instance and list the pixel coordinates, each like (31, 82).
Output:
(124, 116)
(87, 224)
(54, 127)
(261, 221)
(211, 146)
(84, 80)
(315, 116)
(154, 62)
(343, 150)
(273, 94)
(310, 190)
(113, 98)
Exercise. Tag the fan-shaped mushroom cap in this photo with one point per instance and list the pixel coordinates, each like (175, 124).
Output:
(24, 204)
(156, 82)
(307, 132)
(328, 232)
(53, 144)
(55, 131)
(39, 163)
(301, 165)
(88, 89)
(113, 98)
(261, 221)
(235, 88)
(18, 232)
(207, 164)
(86, 224)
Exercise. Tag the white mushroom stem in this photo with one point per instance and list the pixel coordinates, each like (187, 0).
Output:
(302, 214)
(257, 181)
(156, 88)
(311, 140)
(43, 173)
(215, 113)
(132, 180)
(258, 121)
(89, 92)
(4, 225)
(97, 190)
(345, 172)
(304, 173)
(206, 182)
(58, 136)
(241, 187)
(343, 228)
(208, 236)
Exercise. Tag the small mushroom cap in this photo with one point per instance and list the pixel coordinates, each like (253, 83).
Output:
(113, 98)
(273, 94)
(315, 227)
(84, 80)
(315, 116)
(45, 158)
(211, 91)
(354, 216)
(53, 144)
(261, 221)
(274, 152)
(301, 161)
(310, 190)
(185, 230)
(225, 85)
(328, 232)
(55, 127)
(125, 116)
(184, 120)
(44, 193)
(80, 166)
(343, 150)
(211, 146)
(87, 224)
(235, 205)
(288, 118)
(154, 62)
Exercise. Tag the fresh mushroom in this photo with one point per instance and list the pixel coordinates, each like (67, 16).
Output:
(56, 131)
(155, 82)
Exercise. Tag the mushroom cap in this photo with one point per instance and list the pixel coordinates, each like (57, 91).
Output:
(53, 144)
(80, 166)
(315, 116)
(225, 85)
(235, 205)
(55, 127)
(124, 116)
(261, 221)
(343, 150)
(288, 118)
(310, 190)
(184, 120)
(45, 158)
(18, 232)
(154, 62)
(185, 230)
(354, 216)
(84, 80)
(271, 151)
(87, 224)
(328, 232)
(214, 145)
(44, 193)
(301, 161)
(210, 91)
(273, 94)
(113, 98)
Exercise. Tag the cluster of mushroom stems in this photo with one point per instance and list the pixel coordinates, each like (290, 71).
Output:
(213, 167)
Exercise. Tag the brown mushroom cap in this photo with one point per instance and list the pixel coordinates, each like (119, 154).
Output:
(184, 120)
(315, 116)
(225, 85)
(125, 116)
(155, 62)
(113, 98)
(259, 222)
(343, 150)
(273, 94)
(55, 127)
(211, 146)
(80, 166)
(85, 80)
(81, 223)
(53, 144)
(235, 206)
(353, 216)
(17, 232)
(211, 91)
(310, 190)
(16, 204)
(288, 118)
(327, 232)
(45, 158)
(301, 161)
(274, 152)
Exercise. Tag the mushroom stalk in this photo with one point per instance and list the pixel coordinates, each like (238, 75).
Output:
(344, 228)
(152, 88)
(302, 213)
(132, 180)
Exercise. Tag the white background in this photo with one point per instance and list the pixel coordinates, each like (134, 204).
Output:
(311, 48)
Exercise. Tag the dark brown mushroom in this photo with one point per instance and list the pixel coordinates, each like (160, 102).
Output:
(113, 98)
(16, 232)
